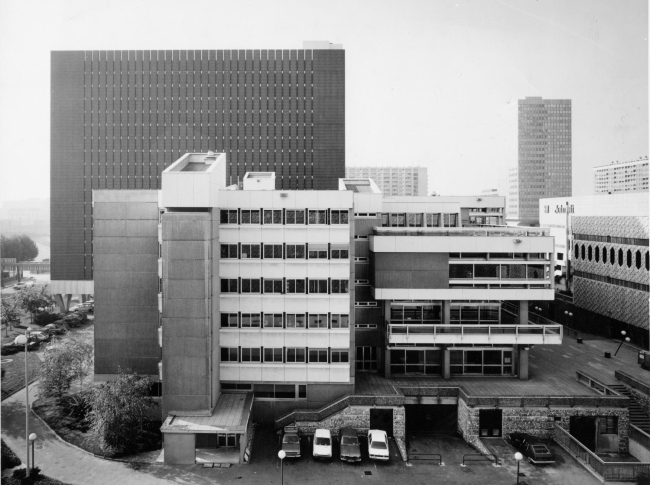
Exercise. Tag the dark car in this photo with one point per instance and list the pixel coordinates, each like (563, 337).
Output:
(350, 449)
(535, 451)
(291, 442)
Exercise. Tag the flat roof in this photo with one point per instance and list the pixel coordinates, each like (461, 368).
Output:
(231, 414)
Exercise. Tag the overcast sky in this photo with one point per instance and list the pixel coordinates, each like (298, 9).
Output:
(428, 82)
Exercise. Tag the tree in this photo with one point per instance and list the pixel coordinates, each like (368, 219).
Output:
(21, 247)
(10, 313)
(35, 300)
(120, 408)
(69, 361)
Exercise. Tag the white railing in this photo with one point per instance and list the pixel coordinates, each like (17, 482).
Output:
(488, 334)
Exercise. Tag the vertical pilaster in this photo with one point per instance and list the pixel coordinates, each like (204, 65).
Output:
(446, 363)
(523, 312)
(523, 362)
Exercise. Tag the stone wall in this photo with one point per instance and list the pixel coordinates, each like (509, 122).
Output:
(357, 417)
(642, 399)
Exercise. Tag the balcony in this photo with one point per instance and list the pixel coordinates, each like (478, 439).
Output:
(474, 334)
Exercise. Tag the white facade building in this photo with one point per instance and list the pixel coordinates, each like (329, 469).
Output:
(394, 181)
(616, 177)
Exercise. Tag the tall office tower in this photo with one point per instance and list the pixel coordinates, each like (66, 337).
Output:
(544, 168)
(119, 118)
(622, 177)
(394, 181)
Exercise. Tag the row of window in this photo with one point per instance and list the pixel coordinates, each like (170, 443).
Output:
(284, 286)
(285, 320)
(285, 251)
(632, 241)
(623, 258)
(418, 220)
(498, 271)
(613, 281)
(284, 355)
(486, 256)
(284, 216)
(269, 391)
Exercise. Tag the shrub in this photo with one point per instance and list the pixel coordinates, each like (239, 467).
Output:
(43, 319)
(9, 458)
(21, 473)
(11, 349)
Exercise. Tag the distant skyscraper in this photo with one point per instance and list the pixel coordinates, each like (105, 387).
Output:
(621, 177)
(119, 118)
(393, 181)
(544, 166)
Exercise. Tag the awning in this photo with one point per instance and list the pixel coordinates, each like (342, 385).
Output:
(230, 415)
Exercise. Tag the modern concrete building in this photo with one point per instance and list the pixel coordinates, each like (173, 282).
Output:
(119, 118)
(608, 240)
(394, 181)
(616, 177)
(544, 159)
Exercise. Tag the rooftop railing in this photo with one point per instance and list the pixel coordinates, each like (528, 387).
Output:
(426, 333)
(463, 231)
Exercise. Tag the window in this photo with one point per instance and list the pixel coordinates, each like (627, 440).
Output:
(229, 216)
(620, 257)
(340, 321)
(296, 286)
(339, 286)
(535, 271)
(272, 286)
(384, 220)
(229, 285)
(486, 271)
(340, 356)
(273, 320)
(318, 251)
(251, 320)
(433, 220)
(250, 216)
(338, 217)
(317, 286)
(449, 220)
(273, 216)
(340, 251)
(229, 251)
(318, 356)
(608, 424)
(272, 251)
(280, 391)
(398, 220)
(461, 271)
(296, 320)
(250, 354)
(295, 251)
(273, 355)
(629, 258)
(229, 354)
(295, 217)
(513, 271)
(612, 256)
(589, 252)
(229, 320)
(414, 220)
(318, 320)
(250, 285)
(295, 355)
(250, 251)
(317, 217)
(604, 255)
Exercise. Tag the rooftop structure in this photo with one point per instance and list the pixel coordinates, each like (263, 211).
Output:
(394, 181)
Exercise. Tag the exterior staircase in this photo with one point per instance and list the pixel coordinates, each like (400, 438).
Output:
(638, 417)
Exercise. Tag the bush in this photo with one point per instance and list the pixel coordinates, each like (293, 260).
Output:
(21, 473)
(643, 478)
(43, 319)
(11, 349)
(9, 458)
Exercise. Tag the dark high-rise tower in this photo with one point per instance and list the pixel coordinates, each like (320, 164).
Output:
(119, 118)
(544, 167)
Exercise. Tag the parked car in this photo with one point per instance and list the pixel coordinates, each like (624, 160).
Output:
(40, 336)
(378, 445)
(349, 441)
(55, 329)
(322, 443)
(536, 452)
(291, 442)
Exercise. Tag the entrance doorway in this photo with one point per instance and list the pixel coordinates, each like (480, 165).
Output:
(583, 428)
(431, 419)
(490, 423)
(367, 359)
(382, 419)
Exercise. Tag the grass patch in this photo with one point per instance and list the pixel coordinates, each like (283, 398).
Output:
(9, 458)
(59, 416)
(14, 375)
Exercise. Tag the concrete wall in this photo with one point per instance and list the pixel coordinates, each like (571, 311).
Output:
(638, 451)
(187, 332)
(179, 449)
(409, 270)
(125, 244)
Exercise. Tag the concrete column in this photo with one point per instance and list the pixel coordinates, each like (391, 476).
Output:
(522, 362)
(523, 312)
(441, 222)
(63, 302)
(386, 362)
(446, 312)
(446, 363)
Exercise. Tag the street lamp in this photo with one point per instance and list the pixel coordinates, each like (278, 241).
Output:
(282, 455)
(568, 313)
(24, 339)
(32, 439)
(518, 457)
(623, 339)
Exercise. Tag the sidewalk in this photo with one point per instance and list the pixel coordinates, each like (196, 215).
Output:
(59, 460)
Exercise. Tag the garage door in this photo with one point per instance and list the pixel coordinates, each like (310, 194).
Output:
(431, 419)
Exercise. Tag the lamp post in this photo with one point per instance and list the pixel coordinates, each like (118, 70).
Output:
(623, 339)
(32, 439)
(518, 457)
(24, 339)
(568, 248)
(282, 455)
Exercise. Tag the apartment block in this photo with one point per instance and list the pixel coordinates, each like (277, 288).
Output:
(119, 118)
(616, 177)
(394, 181)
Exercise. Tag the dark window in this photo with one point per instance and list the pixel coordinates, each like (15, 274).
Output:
(250, 355)
(318, 356)
(251, 320)
(273, 251)
(229, 251)
(229, 320)
(296, 286)
(318, 251)
(296, 320)
(597, 254)
(384, 220)
(250, 285)
(273, 320)
(339, 356)
(229, 217)
(228, 285)
(273, 355)
(229, 354)
(272, 217)
(272, 286)
(535, 271)
(318, 320)
(647, 261)
(604, 255)
(589, 253)
(295, 217)
(638, 260)
(295, 251)
(629, 258)
(339, 217)
(250, 251)
(577, 251)
(295, 355)
(250, 216)
(339, 286)
(461, 271)
(486, 271)
(620, 257)
(317, 217)
(612, 256)
(340, 321)
(582, 252)
(317, 286)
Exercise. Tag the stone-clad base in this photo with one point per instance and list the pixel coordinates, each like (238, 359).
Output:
(357, 417)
